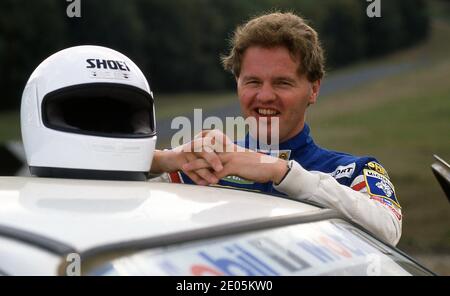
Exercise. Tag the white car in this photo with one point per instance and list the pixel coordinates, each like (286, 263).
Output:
(149, 228)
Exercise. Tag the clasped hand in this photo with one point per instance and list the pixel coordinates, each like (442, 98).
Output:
(211, 156)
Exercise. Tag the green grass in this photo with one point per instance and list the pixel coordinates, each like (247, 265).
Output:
(404, 135)
(9, 126)
(169, 106)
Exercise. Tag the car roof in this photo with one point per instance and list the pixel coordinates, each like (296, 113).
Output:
(85, 214)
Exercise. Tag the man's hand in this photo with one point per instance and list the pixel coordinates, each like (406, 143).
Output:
(168, 161)
(249, 165)
(212, 156)
(202, 147)
(236, 160)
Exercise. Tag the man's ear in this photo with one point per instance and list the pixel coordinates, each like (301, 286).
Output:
(315, 87)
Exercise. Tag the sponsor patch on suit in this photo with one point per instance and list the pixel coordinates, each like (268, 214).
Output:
(379, 185)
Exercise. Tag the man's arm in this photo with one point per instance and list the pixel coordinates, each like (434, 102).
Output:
(356, 206)
(299, 183)
(163, 161)
(167, 161)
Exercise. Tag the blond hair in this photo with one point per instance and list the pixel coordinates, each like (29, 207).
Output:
(278, 29)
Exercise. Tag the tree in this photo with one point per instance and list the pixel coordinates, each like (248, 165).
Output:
(29, 32)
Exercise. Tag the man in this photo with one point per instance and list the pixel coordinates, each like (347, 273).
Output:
(278, 64)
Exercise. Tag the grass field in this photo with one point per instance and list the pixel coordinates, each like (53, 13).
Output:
(169, 106)
(402, 120)
(9, 126)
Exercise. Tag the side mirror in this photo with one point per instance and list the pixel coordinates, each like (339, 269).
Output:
(441, 171)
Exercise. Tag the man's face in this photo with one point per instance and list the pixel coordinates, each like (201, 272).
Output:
(269, 86)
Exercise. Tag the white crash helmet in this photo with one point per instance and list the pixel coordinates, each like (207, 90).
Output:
(88, 112)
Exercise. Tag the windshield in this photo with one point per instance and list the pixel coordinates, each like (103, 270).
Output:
(331, 247)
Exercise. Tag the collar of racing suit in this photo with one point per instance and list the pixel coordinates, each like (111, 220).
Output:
(300, 141)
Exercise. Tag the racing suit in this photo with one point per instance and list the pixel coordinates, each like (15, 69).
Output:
(357, 187)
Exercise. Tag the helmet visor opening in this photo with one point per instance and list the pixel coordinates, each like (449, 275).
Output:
(100, 109)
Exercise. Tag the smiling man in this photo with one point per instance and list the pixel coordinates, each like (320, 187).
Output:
(278, 64)
(270, 85)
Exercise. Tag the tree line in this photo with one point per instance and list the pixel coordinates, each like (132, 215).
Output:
(178, 43)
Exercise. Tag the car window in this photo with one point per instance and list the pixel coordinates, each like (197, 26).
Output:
(331, 247)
